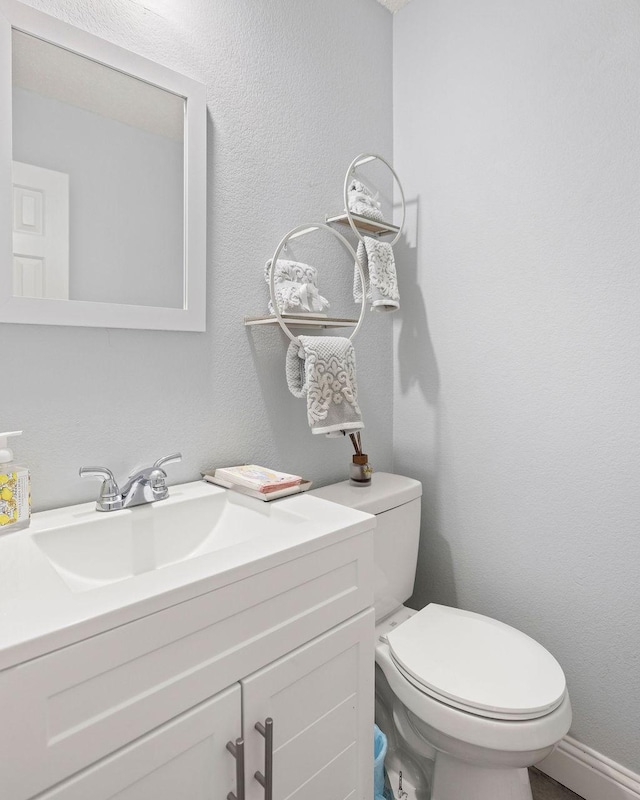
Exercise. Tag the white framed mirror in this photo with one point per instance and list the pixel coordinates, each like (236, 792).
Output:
(103, 175)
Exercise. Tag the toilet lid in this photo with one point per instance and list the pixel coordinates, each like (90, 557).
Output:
(478, 664)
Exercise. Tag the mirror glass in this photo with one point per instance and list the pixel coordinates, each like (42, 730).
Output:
(98, 181)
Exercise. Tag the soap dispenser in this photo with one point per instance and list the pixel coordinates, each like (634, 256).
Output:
(15, 489)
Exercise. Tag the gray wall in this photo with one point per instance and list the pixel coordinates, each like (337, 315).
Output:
(290, 99)
(517, 372)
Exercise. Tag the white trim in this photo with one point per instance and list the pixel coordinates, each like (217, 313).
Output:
(192, 317)
(590, 774)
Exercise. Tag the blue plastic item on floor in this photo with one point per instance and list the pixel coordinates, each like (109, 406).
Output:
(379, 753)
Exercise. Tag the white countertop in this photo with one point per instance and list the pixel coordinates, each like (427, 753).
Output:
(40, 613)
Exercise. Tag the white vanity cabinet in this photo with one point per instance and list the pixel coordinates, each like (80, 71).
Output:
(145, 710)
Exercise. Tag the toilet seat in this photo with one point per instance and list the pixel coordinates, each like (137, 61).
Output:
(477, 664)
(473, 729)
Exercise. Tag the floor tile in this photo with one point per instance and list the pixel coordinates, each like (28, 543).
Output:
(545, 788)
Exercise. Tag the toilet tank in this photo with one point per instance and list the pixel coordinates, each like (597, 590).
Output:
(395, 500)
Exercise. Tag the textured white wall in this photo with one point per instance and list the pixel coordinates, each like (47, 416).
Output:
(290, 104)
(517, 131)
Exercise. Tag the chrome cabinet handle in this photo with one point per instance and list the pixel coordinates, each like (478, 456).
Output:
(266, 780)
(237, 751)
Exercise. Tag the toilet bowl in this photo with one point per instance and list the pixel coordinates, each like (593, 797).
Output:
(487, 718)
(473, 700)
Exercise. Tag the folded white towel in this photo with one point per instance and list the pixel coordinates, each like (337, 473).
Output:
(295, 287)
(363, 202)
(381, 281)
(323, 369)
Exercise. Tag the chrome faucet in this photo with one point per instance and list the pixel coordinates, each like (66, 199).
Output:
(144, 486)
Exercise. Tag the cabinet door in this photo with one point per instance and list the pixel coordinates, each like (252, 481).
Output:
(320, 698)
(185, 758)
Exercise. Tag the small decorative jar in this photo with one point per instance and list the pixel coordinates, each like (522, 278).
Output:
(360, 470)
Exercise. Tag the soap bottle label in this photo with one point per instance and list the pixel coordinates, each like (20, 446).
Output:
(15, 499)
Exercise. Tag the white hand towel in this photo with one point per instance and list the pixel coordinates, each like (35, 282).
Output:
(381, 281)
(323, 369)
(296, 288)
(363, 202)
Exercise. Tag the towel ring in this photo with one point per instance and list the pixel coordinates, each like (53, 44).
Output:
(358, 161)
(301, 230)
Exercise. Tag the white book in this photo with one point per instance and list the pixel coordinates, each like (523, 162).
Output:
(303, 486)
(255, 477)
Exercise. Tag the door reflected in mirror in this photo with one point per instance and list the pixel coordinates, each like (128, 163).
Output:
(98, 181)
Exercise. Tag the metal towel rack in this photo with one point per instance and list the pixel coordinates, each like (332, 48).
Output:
(302, 230)
(357, 224)
(358, 161)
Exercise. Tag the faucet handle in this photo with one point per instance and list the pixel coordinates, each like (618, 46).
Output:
(156, 475)
(167, 460)
(98, 472)
(110, 498)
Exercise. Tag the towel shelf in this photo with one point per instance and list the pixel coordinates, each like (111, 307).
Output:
(370, 226)
(303, 321)
(303, 230)
(356, 226)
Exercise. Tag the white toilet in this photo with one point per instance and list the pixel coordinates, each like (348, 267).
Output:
(470, 699)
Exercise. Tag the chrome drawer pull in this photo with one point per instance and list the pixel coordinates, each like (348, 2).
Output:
(266, 780)
(237, 751)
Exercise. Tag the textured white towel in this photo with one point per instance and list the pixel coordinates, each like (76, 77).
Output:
(381, 281)
(363, 202)
(295, 287)
(323, 369)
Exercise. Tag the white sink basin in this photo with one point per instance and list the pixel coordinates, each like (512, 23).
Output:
(90, 549)
(76, 572)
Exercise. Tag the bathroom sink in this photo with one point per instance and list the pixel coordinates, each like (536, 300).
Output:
(89, 549)
(76, 572)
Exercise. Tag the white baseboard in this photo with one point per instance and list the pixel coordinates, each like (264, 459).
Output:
(590, 774)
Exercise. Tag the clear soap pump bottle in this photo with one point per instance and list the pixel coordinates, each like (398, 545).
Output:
(15, 489)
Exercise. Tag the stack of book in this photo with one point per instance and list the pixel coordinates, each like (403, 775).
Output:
(259, 482)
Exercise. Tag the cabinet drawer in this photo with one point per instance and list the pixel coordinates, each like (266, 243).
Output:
(64, 711)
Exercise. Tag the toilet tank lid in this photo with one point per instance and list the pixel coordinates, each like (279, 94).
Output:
(386, 491)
